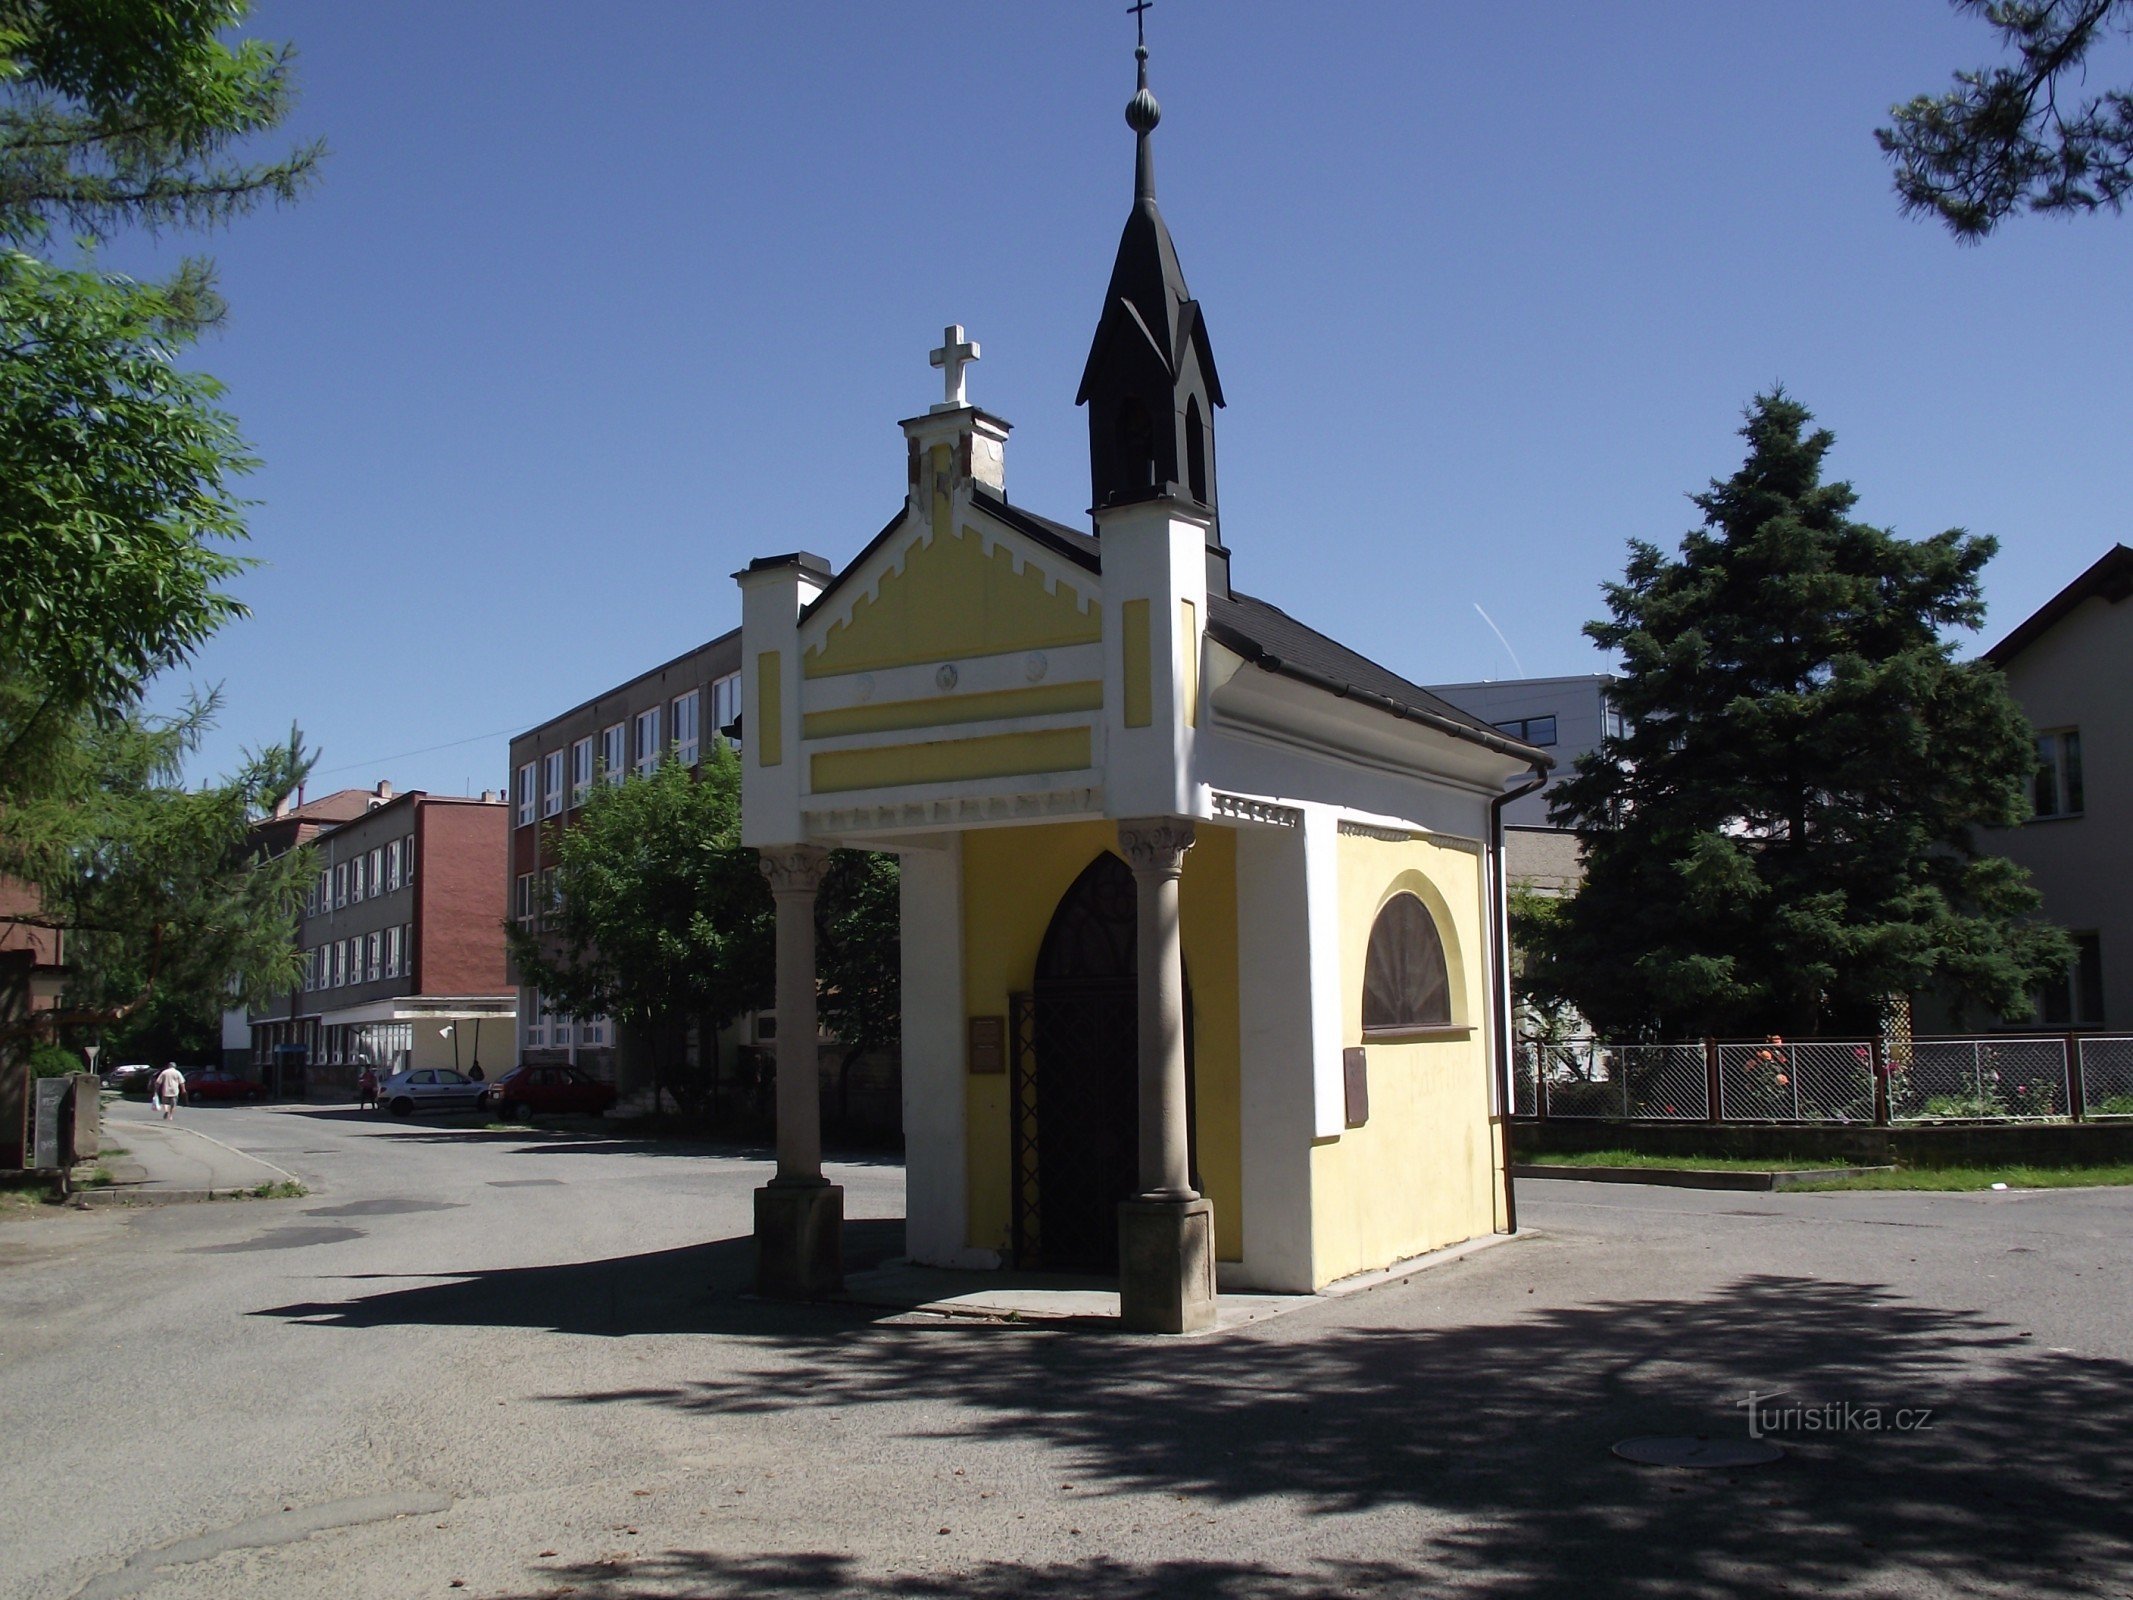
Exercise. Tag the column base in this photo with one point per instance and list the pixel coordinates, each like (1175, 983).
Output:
(1166, 1265)
(799, 1240)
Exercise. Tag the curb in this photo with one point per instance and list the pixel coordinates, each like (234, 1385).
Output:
(1694, 1177)
(109, 1196)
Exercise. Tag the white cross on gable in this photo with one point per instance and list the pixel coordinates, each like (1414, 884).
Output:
(952, 357)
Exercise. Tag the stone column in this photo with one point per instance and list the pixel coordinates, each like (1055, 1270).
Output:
(799, 1216)
(1166, 1251)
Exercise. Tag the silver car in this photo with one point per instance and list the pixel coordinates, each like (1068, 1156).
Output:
(431, 1089)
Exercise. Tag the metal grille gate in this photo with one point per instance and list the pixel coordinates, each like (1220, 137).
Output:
(1076, 1136)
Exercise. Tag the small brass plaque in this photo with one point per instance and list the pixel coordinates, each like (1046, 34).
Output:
(988, 1045)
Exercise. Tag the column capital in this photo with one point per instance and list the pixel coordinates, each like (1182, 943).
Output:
(794, 868)
(1156, 844)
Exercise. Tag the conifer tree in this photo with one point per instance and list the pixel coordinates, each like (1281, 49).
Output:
(1784, 837)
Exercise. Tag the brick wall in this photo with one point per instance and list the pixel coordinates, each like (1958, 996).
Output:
(461, 847)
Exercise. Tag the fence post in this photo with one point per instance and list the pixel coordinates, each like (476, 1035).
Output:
(1620, 1067)
(2077, 1090)
(1540, 1083)
(1881, 1081)
(1713, 1103)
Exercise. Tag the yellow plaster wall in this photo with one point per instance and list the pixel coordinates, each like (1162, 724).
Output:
(1013, 879)
(1425, 1170)
(952, 598)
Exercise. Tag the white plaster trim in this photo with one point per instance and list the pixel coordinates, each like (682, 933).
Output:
(930, 915)
(1243, 808)
(953, 732)
(987, 674)
(956, 811)
(1252, 730)
(1371, 830)
(1322, 910)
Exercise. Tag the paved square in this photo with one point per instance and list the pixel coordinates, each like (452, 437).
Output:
(513, 1361)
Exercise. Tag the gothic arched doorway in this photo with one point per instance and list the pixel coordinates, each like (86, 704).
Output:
(1076, 1100)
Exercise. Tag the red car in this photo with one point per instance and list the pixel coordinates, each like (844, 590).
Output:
(525, 1090)
(201, 1087)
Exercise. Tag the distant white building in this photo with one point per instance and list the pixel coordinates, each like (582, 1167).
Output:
(1565, 717)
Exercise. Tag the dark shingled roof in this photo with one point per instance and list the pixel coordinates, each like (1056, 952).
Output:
(2109, 579)
(1270, 638)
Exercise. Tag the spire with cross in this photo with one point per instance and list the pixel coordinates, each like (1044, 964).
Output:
(955, 353)
(1140, 10)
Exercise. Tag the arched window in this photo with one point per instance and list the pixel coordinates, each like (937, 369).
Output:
(1405, 984)
(1195, 451)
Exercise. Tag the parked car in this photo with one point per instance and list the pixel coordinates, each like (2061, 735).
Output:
(431, 1089)
(124, 1078)
(525, 1090)
(212, 1084)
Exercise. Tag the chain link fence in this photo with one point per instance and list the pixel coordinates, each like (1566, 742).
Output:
(2107, 1076)
(2000, 1078)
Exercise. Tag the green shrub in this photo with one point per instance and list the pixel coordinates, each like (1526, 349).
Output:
(54, 1061)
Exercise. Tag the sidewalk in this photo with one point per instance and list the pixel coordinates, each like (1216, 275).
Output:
(167, 1162)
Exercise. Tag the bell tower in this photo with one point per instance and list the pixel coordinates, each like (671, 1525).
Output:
(1150, 383)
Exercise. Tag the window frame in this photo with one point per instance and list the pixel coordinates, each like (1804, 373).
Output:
(645, 746)
(581, 770)
(524, 795)
(552, 784)
(1410, 1027)
(687, 727)
(2059, 761)
(614, 751)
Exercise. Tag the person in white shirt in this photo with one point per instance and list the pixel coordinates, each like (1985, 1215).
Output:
(169, 1084)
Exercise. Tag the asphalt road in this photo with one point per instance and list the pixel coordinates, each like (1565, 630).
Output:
(503, 1365)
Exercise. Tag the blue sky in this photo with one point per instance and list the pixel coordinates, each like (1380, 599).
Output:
(594, 304)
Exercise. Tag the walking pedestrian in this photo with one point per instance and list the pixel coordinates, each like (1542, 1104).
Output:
(169, 1084)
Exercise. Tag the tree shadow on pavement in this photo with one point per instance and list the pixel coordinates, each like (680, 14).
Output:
(703, 1572)
(2019, 1485)
(695, 1289)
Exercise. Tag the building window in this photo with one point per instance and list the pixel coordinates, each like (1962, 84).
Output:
(392, 865)
(559, 1033)
(595, 1035)
(648, 742)
(407, 949)
(552, 783)
(1613, 725)
(1530, 730)
(581, 770)
(536, 1022)
(1405, 984)
(377, 870)
(323, 901)
(2075, 1000)
(525, 795)
(340, 963)
(726, 702)
(392, 952)
(685, 742)
(311, 902)
(614, 757)
(2057, 789)
(375, 966)
(407, 858)
(340, 885)
(522, 902)
(355, 879)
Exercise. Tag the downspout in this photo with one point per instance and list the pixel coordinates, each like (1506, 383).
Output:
(1504, 1090)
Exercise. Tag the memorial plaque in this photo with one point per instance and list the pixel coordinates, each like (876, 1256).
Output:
(49, 1106)
(988, 1045)
(1355, 1075)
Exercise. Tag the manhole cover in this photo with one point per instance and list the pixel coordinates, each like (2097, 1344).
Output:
(1663, 1450)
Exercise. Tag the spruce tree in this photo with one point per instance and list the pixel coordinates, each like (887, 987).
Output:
(1785, 834)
